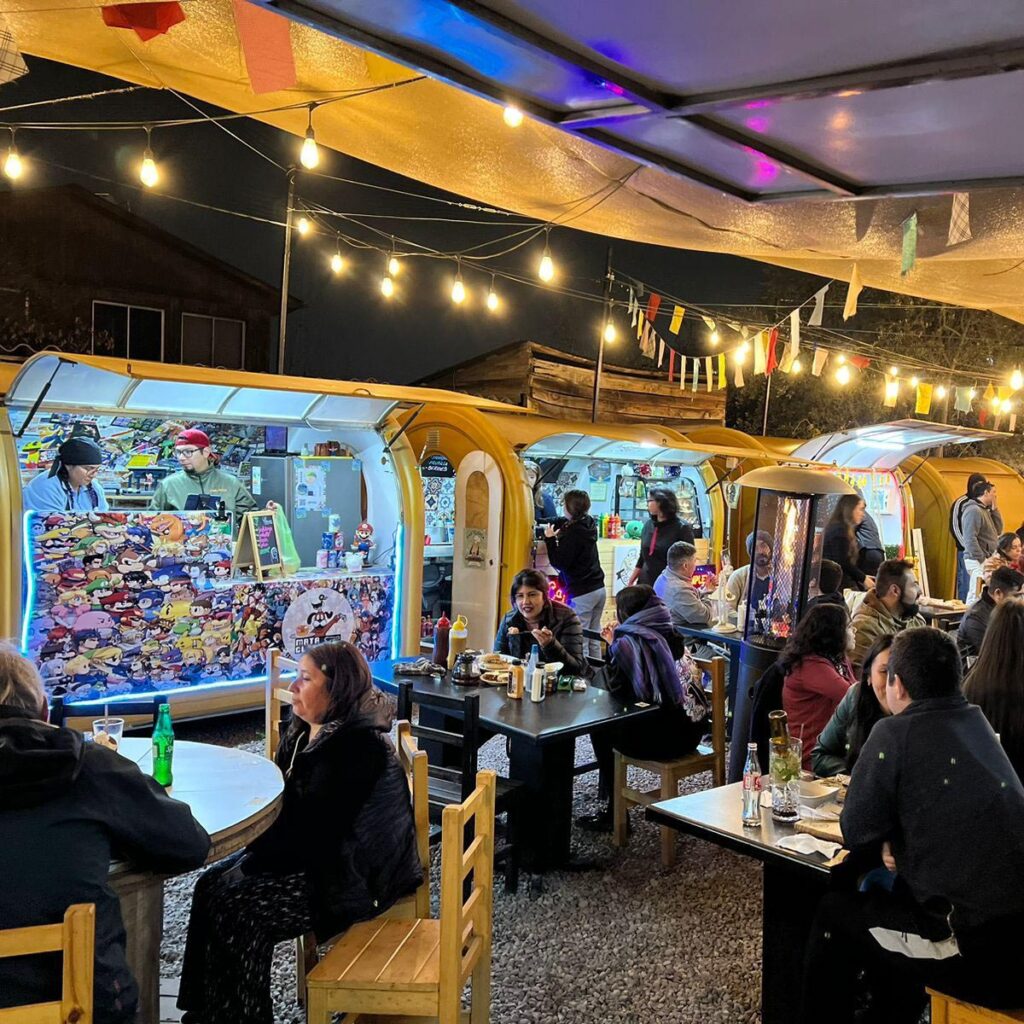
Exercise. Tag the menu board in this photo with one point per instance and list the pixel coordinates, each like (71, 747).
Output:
(258, 544)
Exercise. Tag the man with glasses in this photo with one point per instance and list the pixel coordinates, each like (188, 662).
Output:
(71, 485)
(200, 477)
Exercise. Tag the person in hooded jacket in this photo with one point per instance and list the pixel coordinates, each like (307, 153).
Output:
(572, 549)
(342, 850)
(67, 808)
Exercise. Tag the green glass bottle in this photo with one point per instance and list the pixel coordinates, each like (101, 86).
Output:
(163, 746)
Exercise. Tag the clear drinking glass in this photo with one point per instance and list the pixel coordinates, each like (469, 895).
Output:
(108, 731)
(784, 772)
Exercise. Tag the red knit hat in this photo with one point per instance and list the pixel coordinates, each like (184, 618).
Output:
(196, 438)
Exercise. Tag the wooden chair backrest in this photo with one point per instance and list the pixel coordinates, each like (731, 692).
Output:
(466, 910)
(718, 669)
(76, 939)
(414, 764)
(136, 713)
(277, 695)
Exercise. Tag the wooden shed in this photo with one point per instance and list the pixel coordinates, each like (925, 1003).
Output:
(553, 383)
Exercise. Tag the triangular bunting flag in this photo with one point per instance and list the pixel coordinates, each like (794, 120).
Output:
(772, 361)
(892, 392)
(696, 373)
(661, 352)
(794, 336)
(677, 319)
(820, 358)
(652, 306)
(962, 402)
(909, 255)
(149, 20)
(682, 372)
(819, 308)
(960, 219)
(850, 309)
(760, 340)
(1004, 391)
(738, 374)
(634, 307)
(709, 323)
(1012, 425)
(707, 372)
(924, 399)
(990, 393)
(266, 41)
(861, 362)
(983, 415)
(787, 361)
(645, 336)
(721, 370)
(671, 364)
(12, 64)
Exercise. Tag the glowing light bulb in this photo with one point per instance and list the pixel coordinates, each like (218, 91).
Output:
(1017, 379)
(940, 391)
(492, 300)
(1005, 406)
(741, 354)
(513, 116)
(841, 359)
(610, 333)
(337, 263)
(546, 268)
(302, 225)
(796, 367)
(972, 393)
(394, 266)
(843, 375)
(894, 371)
(892, 389)
(996, 403)
(458, 291)
(914, 382)
(715, 337)
(387, 287)
(13, 166)
(148, 174)
(309, 155)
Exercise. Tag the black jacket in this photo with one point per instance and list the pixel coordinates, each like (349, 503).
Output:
(973, 626)
(566, 647)
(656, 539)
(837, 547)
(934, 781)
(573, 551)
(67, 808)
(346, 821)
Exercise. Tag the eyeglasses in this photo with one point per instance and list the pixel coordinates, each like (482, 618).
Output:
(186, 453)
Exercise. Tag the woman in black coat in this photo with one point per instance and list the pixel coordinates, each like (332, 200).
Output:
(660, 532)
(342, 850)
(840, 543)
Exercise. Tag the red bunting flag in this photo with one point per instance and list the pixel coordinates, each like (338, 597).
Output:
(146, 20)
(671, 364)
(773, 359)
(861, 362)
(983, 416)
(267, 45)
(652, 306)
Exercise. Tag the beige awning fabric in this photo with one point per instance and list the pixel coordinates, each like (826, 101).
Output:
(455, 140)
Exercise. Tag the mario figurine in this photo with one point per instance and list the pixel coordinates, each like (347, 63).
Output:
(363, 541)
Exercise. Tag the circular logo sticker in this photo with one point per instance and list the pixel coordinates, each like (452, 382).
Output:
(317, 616)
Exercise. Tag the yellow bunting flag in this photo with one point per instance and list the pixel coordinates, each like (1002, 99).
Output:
(677, 319)
(760, 346)
(924, 399)
(990, 393)
(721, 370)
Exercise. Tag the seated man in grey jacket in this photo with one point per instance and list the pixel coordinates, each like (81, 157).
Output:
(687, 606)
(1003, 584)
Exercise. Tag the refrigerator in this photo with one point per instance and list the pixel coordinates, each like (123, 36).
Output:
(310, 490)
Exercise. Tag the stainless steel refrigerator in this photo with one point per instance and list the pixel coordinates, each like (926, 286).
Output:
(310, 490)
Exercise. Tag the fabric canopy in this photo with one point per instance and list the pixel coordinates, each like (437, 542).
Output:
(740, 128)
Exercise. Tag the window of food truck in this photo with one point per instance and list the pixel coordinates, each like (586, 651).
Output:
(134, 601)
(68, 383)
(159, 396)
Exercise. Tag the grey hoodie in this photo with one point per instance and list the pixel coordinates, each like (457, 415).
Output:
(981, 527)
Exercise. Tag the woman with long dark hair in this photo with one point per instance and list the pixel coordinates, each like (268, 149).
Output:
(70, 485)
(996, 682)
(1006, 555)
(342, 850)
(840, 543)
(840, 742)
(817, 670)
(536, 619)
(647, 662)
(660, 532)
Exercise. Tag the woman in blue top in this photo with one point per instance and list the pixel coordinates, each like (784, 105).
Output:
(70, 486)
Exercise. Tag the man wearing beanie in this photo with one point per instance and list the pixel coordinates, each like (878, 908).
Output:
(199, 476)
(70, 486)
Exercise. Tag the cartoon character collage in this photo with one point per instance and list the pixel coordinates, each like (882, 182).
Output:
(131, 603)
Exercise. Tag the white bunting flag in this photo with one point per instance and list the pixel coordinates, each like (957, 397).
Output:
(820, 358)
(850, 309)
(738, 375)
(661, 352)
(682, 372)
(794, 337)
(707, 371)
(960, 219)
(760, 344)
(819, 308)
(1013, 422)
(787, 361)
(696, 373)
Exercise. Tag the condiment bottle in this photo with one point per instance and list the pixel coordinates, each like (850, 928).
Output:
(517, 681)
(441, 630)
(537, 687)
(458, 639)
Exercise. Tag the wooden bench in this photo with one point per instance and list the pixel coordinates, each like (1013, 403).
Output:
(947, 1010)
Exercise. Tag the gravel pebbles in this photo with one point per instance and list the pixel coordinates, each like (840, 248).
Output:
(630, 944)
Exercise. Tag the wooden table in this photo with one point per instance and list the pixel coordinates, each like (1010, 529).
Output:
(235, 796)
(792, 884)
(542, 751)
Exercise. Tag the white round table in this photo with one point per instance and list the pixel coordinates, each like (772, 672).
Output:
(235, 796)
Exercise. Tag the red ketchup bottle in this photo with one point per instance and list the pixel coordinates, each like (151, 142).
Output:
(441, 630)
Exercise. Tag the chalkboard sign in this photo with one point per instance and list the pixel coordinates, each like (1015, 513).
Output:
(258, 544)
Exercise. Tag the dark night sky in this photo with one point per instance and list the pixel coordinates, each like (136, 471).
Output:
(347, 329)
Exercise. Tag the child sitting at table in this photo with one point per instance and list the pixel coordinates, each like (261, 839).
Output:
(647, 662)
(536, 619)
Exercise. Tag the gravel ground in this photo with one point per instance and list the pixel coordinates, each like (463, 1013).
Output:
(630, 944)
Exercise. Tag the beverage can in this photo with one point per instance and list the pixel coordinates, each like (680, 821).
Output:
(339, 541)
(332, 559)
(321, 559)
(327, 541)
(334, 522)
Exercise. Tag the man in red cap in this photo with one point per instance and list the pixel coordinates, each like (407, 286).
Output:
(201, 477)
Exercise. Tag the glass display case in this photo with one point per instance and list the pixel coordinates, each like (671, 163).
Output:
(631, 498)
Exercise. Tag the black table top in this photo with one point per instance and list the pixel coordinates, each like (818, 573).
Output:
(716, 815)
(712, 635)
(558, 716)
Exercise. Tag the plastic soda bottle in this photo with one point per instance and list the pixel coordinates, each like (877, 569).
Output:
(163, 746)
(752, 787)
(458, 639)
(441, 630)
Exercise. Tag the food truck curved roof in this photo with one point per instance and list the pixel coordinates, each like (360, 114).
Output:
(701, 125)
(100, 385)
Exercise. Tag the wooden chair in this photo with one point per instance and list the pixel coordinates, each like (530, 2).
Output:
(414, 764)
(278, 696)
(671, 772)
(81, 716)
(419, 968)
(450, 785)
(947, 1010)
(76, 939)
